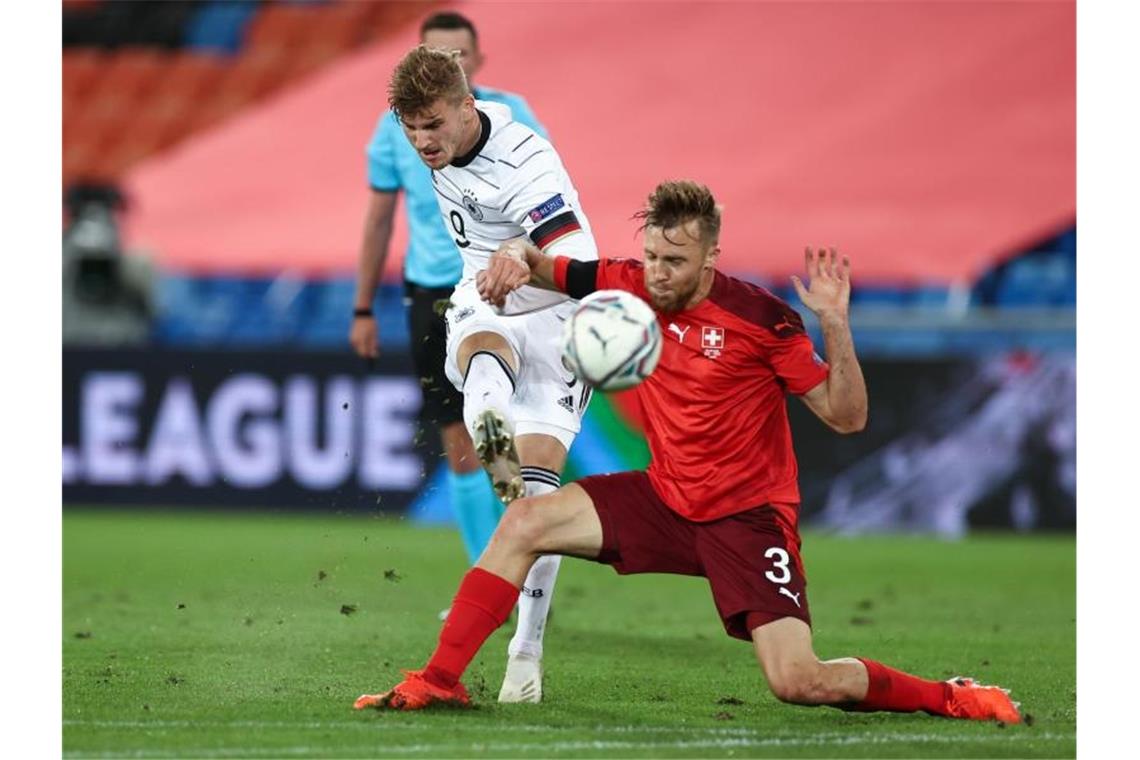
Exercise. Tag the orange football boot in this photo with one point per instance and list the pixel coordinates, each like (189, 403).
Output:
(414, 693)
(973, 701)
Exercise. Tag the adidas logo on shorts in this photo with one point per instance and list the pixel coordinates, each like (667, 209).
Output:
(567, 403)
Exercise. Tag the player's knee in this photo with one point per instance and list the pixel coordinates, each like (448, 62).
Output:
(796, 684)
(521, 526)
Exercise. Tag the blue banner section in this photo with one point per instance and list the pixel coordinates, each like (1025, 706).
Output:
(952, 444)
(319, 431)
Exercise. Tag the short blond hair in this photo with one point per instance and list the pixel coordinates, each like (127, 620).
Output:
(424, 76)
(675, 202)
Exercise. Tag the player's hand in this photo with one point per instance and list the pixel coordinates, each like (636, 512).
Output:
(829, 292)
(363, 337)
(506, 271)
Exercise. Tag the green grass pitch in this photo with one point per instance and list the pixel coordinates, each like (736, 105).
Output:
(250, 636)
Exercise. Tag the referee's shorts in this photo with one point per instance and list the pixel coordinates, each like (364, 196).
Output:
(443, 404)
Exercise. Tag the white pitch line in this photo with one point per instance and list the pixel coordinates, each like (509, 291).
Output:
(366, 722)
(822, 740)
(564, 746)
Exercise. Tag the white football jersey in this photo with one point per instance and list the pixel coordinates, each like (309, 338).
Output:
(511, 184)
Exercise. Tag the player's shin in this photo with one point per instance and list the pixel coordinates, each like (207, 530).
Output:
(538, 588)
(483, 603)
(895, 691)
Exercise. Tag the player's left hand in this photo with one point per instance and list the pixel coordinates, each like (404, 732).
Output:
(829, 291)
(506, 270)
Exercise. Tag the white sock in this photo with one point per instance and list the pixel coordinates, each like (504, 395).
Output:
(538, 588)
(489, 384)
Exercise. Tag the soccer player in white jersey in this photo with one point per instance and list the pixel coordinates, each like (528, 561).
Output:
(496, 180)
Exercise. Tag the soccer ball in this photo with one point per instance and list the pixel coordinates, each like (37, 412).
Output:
(612, 341)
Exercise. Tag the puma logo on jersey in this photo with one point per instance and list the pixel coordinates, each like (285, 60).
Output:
(680, 333)
(794, 597)
(783, 325)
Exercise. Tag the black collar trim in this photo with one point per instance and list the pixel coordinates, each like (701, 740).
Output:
(484, 136)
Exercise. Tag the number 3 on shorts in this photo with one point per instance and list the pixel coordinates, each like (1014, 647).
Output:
(780, 563)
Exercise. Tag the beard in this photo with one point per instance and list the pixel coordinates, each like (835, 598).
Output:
(674, 301)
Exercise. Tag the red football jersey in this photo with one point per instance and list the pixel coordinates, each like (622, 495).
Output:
(715, 408)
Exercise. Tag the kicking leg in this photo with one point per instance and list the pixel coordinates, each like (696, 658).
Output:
(489, 367)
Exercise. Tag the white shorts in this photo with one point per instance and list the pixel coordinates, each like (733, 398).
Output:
(548, 398)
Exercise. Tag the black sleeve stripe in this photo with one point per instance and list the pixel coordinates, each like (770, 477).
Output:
(581, 278)
(554, 228)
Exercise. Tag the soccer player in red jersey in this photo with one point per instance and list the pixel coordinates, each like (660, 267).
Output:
(720, 498)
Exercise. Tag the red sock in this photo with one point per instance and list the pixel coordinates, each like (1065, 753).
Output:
(483, 603)
(896, 691)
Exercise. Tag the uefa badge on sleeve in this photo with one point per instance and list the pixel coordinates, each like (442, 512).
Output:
(712, 341)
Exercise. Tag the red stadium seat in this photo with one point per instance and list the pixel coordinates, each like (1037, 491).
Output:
(81, 67)
(133, 146)
(346, 24)
(386, 18)
(162, 122)
(134, 72)
(257, 73)
(108, 111)
(277, 26)
(194, 75)
(81, 155)
(312, 57)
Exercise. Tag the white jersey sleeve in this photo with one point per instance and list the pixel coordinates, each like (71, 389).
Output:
(549, 215)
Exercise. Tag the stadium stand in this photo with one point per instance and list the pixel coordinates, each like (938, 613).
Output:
(219, 27)
(141, 78)
(131, 69)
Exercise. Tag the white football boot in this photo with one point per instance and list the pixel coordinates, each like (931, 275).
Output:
(523, 680)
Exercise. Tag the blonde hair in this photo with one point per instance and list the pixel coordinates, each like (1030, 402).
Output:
(675, 202)
(424, 76)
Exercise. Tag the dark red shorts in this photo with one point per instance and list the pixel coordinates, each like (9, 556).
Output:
(751, 559)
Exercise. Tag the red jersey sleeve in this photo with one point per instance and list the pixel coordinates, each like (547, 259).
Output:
(581, 277)
(621, 274)
(561, 264)
(796, 363)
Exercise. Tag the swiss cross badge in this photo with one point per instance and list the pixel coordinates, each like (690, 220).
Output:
(712, 341)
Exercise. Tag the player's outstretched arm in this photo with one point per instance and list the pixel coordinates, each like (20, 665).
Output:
(841, 399)
(516, 263)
